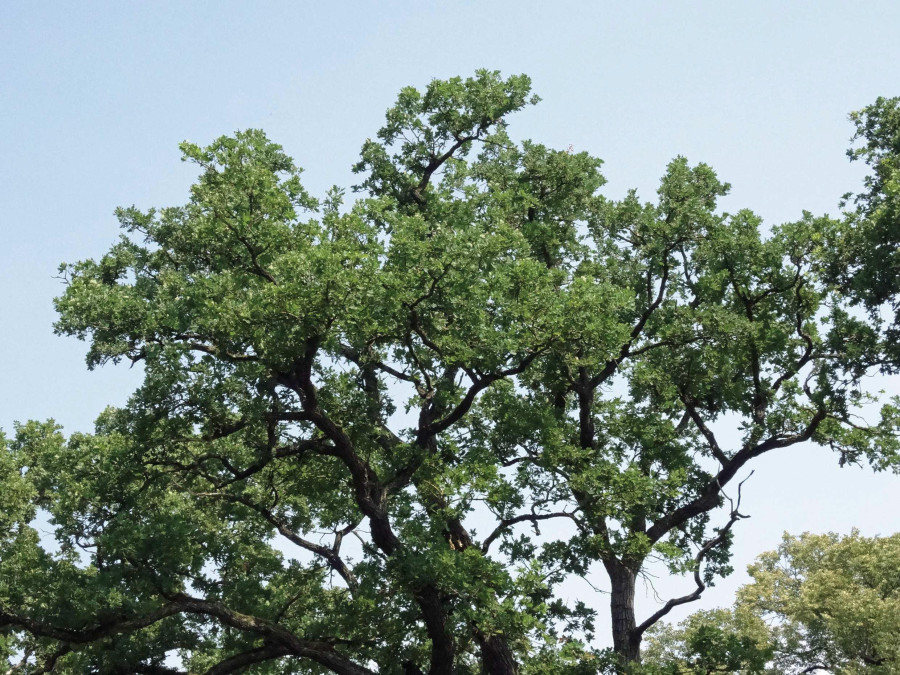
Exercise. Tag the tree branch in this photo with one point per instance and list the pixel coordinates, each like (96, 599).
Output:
(329, 554)
(241, 660)
(704, 429)
(322, 653)
(417, 192)
(527, 517)
(480, 385)
(698, 559)
(708, 499)
(625, 351)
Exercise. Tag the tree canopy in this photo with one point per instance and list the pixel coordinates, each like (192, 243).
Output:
(820, 603)
(376, 436)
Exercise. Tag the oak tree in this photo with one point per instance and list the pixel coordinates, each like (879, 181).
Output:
(354, 415)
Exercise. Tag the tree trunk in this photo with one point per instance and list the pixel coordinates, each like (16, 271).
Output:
(496, 656)
(443, 648)
(626, 641)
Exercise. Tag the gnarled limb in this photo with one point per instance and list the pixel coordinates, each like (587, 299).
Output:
(704, 551)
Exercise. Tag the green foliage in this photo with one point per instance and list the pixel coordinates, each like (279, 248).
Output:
(820, 603)
(350, 414)
(864, 256)
(715, 641)
(836, 599)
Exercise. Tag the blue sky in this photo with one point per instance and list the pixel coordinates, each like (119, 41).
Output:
(94, 98)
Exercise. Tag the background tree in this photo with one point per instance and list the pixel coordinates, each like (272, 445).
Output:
(820, 603)
(707, 642)
(349, 416)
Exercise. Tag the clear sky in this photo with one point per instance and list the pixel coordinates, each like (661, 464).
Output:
(94, 98)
